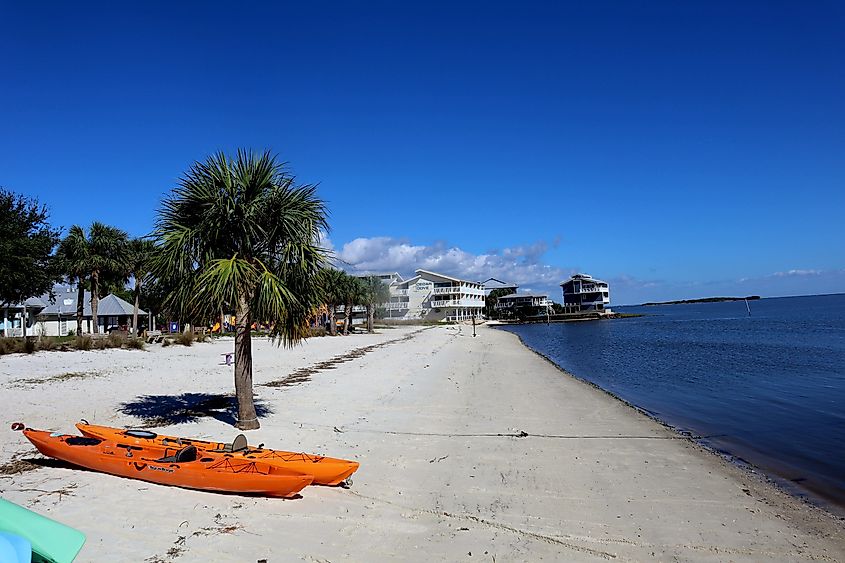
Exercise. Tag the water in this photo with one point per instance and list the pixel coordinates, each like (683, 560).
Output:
(768, 389)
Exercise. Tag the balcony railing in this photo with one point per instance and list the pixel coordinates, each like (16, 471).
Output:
(457, 289)
(400, 292)
(402, 305)
(457, 303)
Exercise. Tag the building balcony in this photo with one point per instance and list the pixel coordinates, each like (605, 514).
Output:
(400, 306)
(457, 303)
(400, 292)
(457, 290)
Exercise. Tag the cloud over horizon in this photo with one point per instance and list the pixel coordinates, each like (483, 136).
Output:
(522, 264)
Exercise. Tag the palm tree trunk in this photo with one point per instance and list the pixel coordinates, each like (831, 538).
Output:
(247, 417)
(369, 317)
(95, 299)
(332, 323)
(80, 305)
(347, 320)
(135, 310)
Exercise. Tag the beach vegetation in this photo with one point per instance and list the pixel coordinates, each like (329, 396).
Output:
(134, 343)
(332, 286)
(185, 338)
(83, 342)
(237, 231)
(354, 293)
(27, 240)
(490, 310)
(376, 292)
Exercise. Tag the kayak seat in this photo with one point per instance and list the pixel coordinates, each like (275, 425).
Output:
(82, 441)
(239, 444)
(185, 455)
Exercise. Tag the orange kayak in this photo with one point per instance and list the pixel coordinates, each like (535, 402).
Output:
(326, 470)
(180, 467)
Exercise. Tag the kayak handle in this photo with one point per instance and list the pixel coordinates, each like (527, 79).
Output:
(18, 426)
(85, 422)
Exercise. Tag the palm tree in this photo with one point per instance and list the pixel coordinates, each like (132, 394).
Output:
(376, 292)
(333, 283)
(72, 257)
(238, 231)
(354, 293)
(141, 253)
(99, 257)
(107, 258)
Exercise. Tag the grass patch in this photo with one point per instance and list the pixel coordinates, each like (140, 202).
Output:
(185, 338)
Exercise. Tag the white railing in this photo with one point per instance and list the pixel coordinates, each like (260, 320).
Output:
(457, 303)
(400, 292)
(446, 290)
(458, 289)
(591, 289)
(396, 306)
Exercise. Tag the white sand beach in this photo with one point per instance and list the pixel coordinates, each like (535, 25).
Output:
(471, 449)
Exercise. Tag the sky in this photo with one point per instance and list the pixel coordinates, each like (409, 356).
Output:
(674, 149)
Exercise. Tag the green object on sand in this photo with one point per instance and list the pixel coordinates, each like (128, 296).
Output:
(50, 539)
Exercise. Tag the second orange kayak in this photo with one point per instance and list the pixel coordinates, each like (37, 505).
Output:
(326, 470)
(185, 467)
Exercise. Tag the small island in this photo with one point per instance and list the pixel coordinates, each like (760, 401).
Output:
(704, 300)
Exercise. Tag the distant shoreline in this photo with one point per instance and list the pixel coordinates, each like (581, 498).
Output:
(702, 300)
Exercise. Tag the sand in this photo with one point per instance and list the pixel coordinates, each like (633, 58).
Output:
(471, 449)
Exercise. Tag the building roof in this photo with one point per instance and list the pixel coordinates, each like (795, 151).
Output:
(582, 277)
(395, 276)
(444, 276)
(109, 306)
(494, 283)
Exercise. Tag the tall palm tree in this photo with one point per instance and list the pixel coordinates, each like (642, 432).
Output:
(107, 258)
(376, 292)
(73, 261)
(239, 231)
(141, 253)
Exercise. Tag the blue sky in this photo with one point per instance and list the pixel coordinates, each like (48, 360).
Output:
(675, 149)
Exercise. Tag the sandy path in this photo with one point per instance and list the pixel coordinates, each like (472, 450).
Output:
(437, 419)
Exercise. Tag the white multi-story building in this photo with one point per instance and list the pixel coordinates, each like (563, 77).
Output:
(434, 297)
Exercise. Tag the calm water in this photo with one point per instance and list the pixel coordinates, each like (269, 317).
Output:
(769, 388)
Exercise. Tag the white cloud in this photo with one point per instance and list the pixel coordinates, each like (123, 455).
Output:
(797, 273)
(522, 265)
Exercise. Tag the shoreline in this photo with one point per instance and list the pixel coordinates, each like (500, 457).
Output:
(805, 496)
(471, 447)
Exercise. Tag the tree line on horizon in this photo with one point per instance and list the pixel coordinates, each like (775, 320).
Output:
(236, 234)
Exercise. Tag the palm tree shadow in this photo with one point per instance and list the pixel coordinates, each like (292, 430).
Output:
(166, 410)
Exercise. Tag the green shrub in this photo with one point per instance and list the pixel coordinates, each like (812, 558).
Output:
(71, 332)
(101, 344)
(83, 342)
(317, 331)
(47, 344)
(29, 346)
(134, 343)
(185, 338)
